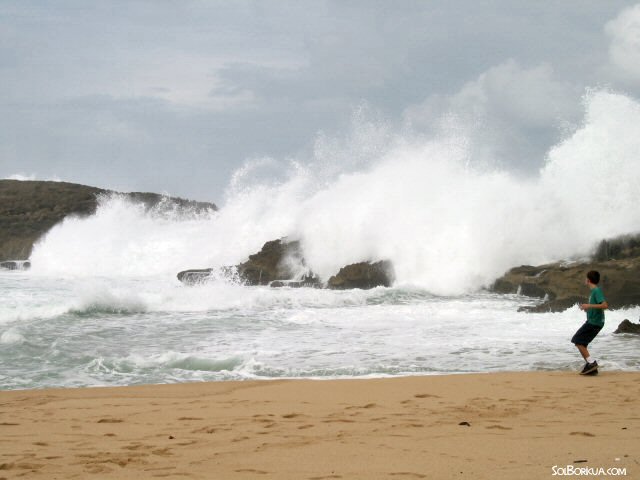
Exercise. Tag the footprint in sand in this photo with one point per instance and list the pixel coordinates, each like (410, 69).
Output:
(110, 420)
(163, 452)
(407, 474)
(498, 427)
(368, 405)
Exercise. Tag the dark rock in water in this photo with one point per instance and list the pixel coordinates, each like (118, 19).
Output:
(627, 326)
(279, 263)
(532, 290)
(193, 277)
(278, 260)
(504, 286)
(363, 275)
(29, 209)
(563, 285)
(306, 282)
(15, 265)
(556, 305)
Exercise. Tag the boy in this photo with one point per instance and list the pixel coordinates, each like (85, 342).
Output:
(595, 321)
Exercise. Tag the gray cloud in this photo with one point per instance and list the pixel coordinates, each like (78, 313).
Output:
(166, 96)
(511, 115)
(624, 50)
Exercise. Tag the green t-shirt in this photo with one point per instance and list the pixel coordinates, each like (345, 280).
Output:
(595, 316)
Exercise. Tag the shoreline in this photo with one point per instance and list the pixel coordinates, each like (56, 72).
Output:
(482, 425)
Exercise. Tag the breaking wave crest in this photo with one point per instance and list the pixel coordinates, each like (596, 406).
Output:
(448, 224)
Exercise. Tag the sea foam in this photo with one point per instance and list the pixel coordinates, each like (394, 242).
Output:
(448, 224)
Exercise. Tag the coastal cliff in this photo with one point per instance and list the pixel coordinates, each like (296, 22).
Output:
(28, 210)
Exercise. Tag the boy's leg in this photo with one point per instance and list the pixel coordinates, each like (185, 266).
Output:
(591, 366)
(583, 351)
(583, 337)
(585, 334)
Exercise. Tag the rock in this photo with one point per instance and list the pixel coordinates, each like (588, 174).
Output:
(504, 286)
(557, 305)
(280, 263)
(363, 275)
(306, 282)
(563, 285)
(194, 277)
(15, 265)
(28, 210)
(532, 290)
(627, 326)
(278, 260)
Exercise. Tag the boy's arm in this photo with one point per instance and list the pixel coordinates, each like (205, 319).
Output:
(600, 306)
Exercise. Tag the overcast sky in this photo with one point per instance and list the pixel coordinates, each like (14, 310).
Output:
(173, 96)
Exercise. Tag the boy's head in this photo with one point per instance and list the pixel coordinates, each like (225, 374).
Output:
(593, 276)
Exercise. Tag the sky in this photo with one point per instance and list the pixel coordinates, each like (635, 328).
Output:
(176, 96)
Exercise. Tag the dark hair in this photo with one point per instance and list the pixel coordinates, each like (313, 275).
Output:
(593, 276)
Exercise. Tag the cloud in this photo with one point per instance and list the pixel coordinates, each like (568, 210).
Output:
(174, 96)
(21, 176)
(624, 49)
(32, 176)
(510, 114)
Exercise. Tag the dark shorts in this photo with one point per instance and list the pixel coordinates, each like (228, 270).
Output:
(585, 334)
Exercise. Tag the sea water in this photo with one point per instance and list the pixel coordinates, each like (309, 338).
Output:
(104, 331)
(102, 306)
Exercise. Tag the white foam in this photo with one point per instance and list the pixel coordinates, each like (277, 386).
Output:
(11, 336)
(447, 224)
(101, 297)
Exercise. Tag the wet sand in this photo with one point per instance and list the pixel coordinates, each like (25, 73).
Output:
(502, 425)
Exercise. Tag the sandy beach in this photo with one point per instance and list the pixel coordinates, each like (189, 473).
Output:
(504, 425)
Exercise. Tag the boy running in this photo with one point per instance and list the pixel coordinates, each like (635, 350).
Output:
(595, 321)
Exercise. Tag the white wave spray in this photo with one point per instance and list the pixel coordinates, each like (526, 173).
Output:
(448, 226)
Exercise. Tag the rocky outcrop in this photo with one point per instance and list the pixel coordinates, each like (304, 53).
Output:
(280, 263)
(562, 285)
(28, 210)
(193, 277)
(627, 326)
(278, 260)
(307, 281)
(363, 275)
(15, 265)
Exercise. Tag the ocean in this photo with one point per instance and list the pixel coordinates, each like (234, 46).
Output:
(102, 331)
(101, 304)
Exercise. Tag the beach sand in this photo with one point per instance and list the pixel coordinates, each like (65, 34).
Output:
(499, 425)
